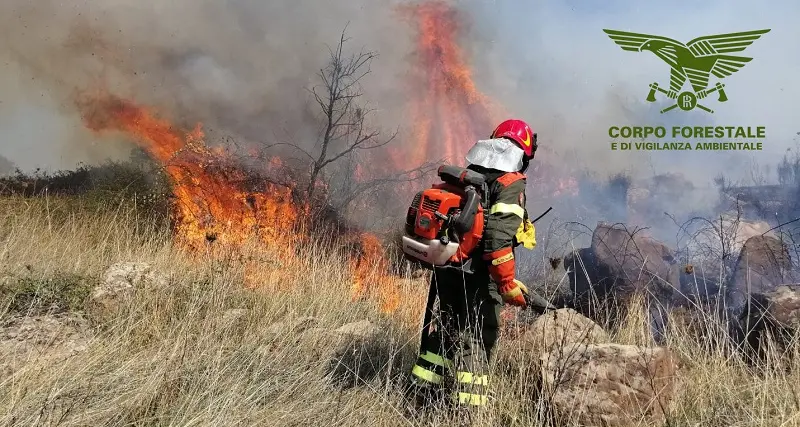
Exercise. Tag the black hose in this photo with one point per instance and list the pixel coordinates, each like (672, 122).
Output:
(545, 213)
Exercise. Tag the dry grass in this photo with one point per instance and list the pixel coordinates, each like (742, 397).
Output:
(171, 358)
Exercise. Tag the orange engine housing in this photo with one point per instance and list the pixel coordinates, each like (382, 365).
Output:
(447, 200)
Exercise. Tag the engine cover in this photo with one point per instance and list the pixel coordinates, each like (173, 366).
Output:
(431, 239)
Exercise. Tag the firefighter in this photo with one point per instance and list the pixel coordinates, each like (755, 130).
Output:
(454, 359)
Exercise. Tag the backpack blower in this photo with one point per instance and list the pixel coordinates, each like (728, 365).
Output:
(445, 223)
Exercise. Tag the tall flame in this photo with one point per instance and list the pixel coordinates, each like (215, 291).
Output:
(448, 111)
(214, 209)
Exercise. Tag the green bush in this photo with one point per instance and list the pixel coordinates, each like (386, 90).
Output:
(58, 293)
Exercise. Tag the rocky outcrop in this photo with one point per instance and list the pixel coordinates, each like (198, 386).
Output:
(559, 328)
(620, 264)
(763, 265)
(710, 251)
(608, 384)
(751, 296)
(119, 283)
(770, 322)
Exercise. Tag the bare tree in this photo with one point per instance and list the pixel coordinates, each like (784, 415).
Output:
(345, 115)
(346, 134)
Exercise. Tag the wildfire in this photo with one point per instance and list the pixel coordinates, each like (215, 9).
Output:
(217, 204)
(211, 203)
(368, 268)
(448, 112)
(214, 207)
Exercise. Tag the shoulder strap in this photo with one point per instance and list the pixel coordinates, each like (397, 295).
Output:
(510, 178)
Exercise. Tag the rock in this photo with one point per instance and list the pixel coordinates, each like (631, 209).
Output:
(119, 282)
(620, 264)
(728, 230)
(609, 384)
(124, 275)
(632, 261)
(47, 338)
(762, 266)
(770, 322)
(548, 332)
(361, 329)
(561, 327)
(711, 253)
(782, 305)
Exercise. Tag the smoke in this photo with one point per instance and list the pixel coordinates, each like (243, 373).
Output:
(551, 63)
(242, 67)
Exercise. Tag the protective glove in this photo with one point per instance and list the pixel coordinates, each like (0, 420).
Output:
(514, 293)
(526, 234)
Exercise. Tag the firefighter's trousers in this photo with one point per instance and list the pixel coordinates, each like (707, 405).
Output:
(455, 357)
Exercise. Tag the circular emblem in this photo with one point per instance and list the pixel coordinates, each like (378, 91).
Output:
(687, 101)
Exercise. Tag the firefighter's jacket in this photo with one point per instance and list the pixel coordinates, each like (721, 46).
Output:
(507, 223)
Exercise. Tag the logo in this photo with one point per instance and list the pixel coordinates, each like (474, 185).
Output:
(413, 249)
(695, 61)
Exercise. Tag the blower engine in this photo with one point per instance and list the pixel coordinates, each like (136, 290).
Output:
(445, 222)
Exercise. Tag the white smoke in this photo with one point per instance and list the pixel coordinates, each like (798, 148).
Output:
(239, 66)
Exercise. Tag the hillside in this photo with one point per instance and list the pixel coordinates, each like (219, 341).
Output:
(205, 341)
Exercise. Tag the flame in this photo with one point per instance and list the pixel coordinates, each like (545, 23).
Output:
(368, 268)
(449, 113)
(214, 208)
(447, 110)
(211, 203)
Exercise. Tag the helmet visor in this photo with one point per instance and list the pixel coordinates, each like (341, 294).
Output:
(500, 153)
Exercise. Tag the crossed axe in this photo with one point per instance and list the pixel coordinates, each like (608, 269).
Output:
(719, 87)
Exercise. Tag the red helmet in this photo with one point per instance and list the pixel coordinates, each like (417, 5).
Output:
(519, 132)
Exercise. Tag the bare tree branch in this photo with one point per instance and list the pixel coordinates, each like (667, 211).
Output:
(346, 128)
